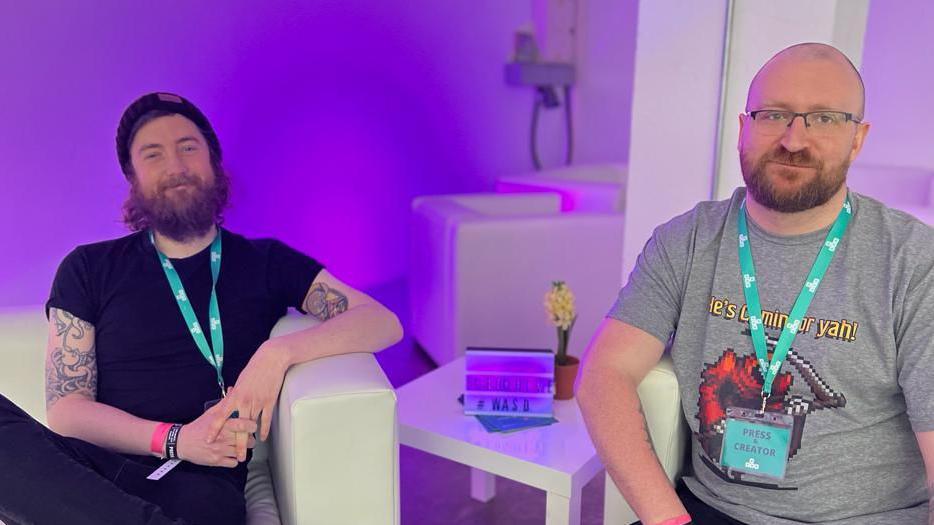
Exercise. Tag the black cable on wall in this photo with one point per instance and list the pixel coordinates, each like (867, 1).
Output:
(547, 97)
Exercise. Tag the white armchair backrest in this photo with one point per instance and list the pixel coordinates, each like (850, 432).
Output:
(492, 204)
(481, 264)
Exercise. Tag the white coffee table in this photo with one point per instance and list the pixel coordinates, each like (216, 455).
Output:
(559, 459)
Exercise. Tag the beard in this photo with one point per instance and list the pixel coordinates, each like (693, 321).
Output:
(825, 182)
(181, 208)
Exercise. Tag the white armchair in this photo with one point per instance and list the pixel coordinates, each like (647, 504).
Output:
(661, 402)
(333, 456)
(588, 188)
(482, 263)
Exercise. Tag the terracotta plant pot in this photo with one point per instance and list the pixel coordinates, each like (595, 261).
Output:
(564, 378)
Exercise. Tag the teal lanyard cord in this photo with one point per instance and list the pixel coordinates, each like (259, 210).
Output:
(793, 324)
(215, 353)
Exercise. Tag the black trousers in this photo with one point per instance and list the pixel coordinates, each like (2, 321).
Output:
(701, 513)
(49, 479)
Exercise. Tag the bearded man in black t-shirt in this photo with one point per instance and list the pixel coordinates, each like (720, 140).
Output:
(159, 345)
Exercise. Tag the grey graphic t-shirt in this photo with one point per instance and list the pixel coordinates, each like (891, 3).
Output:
(859, 379)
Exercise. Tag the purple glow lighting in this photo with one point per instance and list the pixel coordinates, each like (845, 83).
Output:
(514, 361)
(332, 116)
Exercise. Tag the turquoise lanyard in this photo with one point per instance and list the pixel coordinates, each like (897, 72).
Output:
(793, 324)
(215, 353)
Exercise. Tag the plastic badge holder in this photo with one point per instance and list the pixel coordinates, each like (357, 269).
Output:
(756, 443)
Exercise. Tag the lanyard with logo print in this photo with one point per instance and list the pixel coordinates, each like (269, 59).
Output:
(751, 291)
(757, 442)
(214, 354)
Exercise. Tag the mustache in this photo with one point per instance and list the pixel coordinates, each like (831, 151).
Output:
(802, 158)
(179, 180)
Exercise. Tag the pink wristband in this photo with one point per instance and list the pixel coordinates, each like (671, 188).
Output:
(680, 520)
(157, 443)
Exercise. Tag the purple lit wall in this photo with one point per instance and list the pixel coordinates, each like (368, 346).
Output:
(899, 84)
(332, 115)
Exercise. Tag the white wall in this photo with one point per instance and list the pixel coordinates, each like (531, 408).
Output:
(898, 69)
(603, 98)
(677, 81)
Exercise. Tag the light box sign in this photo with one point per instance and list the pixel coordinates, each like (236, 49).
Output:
(509, 382)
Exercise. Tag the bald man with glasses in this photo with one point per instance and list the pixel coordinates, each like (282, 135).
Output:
(797, 315)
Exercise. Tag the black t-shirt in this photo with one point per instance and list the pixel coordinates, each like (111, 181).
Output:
(147, 361)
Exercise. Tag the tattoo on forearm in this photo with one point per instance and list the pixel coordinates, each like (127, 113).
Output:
(324, 302)
(645, 427)
(70, 367)
(648, 437)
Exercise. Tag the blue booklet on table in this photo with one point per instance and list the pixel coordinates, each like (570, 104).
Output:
(506, 424)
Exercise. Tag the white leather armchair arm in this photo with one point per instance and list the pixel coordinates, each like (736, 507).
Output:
(334, 450)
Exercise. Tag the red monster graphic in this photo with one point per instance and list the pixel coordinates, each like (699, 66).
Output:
(736, 381)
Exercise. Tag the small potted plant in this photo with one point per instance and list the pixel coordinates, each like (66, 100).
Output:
(559, 304)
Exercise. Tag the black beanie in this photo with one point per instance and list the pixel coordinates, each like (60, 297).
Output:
(165, 102)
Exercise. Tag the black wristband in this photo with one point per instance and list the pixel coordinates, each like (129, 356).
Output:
(171, 442)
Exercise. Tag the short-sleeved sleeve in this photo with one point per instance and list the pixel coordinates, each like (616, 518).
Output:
(72, 288)
(651, 299)
(914, 338)
(291, 273)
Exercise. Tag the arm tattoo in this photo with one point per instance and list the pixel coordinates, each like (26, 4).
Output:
(645, 427)
(648, 438)
(71, 365)
(324, 302)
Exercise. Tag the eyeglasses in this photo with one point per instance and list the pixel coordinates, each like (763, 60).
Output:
(818, 123)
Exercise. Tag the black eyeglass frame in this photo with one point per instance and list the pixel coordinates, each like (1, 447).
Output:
(804, 116)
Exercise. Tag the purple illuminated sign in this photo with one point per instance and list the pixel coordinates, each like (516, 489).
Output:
(509, 381)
